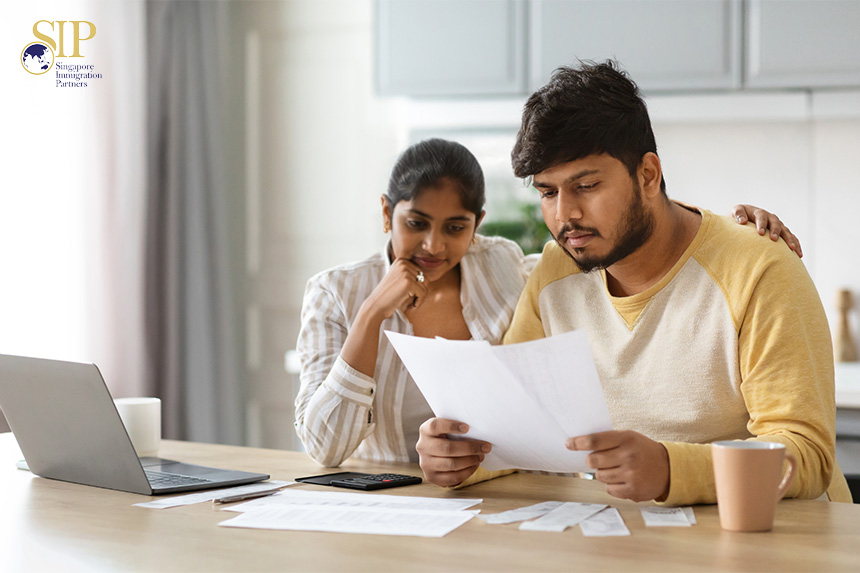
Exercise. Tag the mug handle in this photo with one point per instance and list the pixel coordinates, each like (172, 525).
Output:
(788, 477)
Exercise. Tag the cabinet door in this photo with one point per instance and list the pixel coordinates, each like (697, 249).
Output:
(803, 43)
(664, 44)
(450, 47)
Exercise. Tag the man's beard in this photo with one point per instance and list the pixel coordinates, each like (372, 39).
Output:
(634, 228)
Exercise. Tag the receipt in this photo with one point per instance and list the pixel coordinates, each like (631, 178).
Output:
(521, 513)
(562, 517)
(606, 523)
(666, 517)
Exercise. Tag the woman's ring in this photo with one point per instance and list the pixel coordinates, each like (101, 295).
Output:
(420, 277)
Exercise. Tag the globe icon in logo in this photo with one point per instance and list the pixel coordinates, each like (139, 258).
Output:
(37, 58)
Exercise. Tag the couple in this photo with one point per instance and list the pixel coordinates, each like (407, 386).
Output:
(701, 330)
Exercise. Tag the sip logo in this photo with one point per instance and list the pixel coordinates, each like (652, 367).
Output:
(54, 39)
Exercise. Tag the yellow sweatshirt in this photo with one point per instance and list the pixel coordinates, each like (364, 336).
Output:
(732, 343)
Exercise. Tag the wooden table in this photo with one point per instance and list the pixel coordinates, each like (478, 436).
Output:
(54, 526)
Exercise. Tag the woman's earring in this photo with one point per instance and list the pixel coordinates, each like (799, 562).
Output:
(385, 227)
(474, 239)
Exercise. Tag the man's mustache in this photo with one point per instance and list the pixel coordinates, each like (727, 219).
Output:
(570, 228)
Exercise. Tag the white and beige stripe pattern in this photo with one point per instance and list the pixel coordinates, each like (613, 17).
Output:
(341, 412)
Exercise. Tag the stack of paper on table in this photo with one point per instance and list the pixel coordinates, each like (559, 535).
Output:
(354, 513)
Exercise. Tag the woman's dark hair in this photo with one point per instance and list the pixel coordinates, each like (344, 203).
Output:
(427, 163)
(592, 109)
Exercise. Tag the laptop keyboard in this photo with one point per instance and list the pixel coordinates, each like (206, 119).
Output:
(160, 479)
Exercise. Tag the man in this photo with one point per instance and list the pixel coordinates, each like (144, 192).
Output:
(700, 332)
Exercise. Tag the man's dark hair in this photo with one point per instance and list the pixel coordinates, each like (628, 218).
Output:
(591, 109)
(425, 164)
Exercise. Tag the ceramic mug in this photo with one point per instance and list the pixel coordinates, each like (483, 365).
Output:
(142, 420)
(750, 481)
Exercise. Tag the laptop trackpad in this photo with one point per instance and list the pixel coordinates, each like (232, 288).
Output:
(174, 467)
(215, 475)
(149, 462)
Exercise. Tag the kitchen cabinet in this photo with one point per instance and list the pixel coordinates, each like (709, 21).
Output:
(511, 47)
(802, 44)
(450, 47)
(665, 45)
(485, 47)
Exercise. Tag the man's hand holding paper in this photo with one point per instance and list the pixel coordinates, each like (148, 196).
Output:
(632, 466)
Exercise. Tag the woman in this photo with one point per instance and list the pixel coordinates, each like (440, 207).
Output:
(436, 277)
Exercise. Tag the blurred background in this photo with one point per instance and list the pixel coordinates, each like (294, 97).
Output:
(163, 220)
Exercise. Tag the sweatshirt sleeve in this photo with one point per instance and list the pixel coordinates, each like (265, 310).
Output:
(787, 382)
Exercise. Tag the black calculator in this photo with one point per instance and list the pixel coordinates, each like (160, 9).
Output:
(376, 481)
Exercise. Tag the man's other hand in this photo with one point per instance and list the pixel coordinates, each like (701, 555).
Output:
(444, 461)
(631, 465)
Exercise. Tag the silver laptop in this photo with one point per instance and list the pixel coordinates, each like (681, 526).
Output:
(68, 428)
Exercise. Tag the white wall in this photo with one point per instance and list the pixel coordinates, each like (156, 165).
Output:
(836, 193)
(804, 170)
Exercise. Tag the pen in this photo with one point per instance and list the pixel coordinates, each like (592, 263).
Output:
(244, 496)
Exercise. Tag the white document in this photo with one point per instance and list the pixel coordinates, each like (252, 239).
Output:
(521, 513)
(324, 499)
(606, 523)
(211, 494)
(526, 399)
(667, 517)
(564, 516)
(414, 522)
(688, 511)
